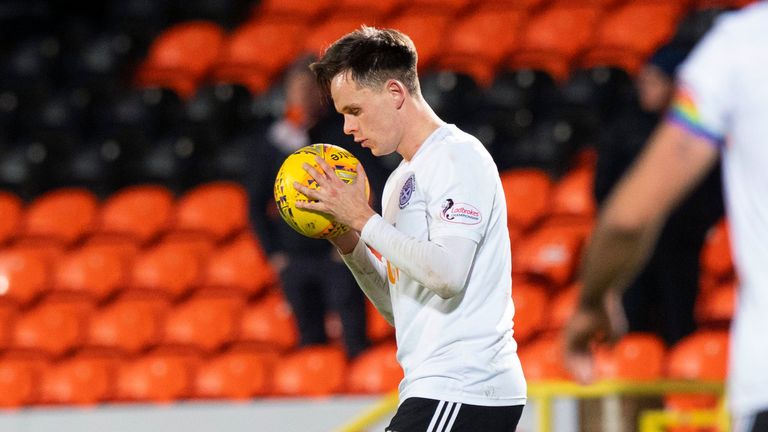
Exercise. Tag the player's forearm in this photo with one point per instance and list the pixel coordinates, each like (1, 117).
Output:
(441, 265)
(370, 276)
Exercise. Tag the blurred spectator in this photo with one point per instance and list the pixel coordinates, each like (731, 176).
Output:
(313, 277)
(661, 299)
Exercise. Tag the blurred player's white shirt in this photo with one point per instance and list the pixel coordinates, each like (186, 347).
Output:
(459, 349)
(724, 96)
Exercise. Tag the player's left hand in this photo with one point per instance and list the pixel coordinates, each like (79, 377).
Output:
(345, 203)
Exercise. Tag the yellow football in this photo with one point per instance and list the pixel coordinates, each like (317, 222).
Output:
(310, 223)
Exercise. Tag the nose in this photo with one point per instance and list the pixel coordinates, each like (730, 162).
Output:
(350, 124)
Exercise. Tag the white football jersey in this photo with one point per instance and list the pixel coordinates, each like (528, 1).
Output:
(459, 349)
(724, 96)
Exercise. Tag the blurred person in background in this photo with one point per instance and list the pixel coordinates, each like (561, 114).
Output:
(661, 298)
(313, 278)
(719, 111)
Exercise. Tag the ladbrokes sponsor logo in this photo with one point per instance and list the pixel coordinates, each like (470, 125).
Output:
(460, 213)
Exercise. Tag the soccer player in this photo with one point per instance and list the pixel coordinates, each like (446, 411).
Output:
(444, 279)
(721, 107)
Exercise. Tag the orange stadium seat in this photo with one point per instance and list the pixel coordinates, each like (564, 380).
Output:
(449, 6)
(617, 42)
(527, 193)
(530, 309)
(481, 39)
(125, 247)
(141, 211)
(637, 356)
(573, 196)
(716, 306)
(563, 307)
(427, 28)
(52, 328)
(716, 257)
(11, 212)
(542, 359)
(379, 9)
(94, 272)
(236, 374)
(377, 327)
(336, 25)
(242, 59)
(219, 209)
(200, 244)
(160, 377)
(240, 265)
(550, 253)
(203, 323)
(310, 371)
(292, 10)
(181, 56)
(375, 371)
(8, 314)
(700, 356)
(128, 325)
(554, 38)
(25, 274)
(64, 214)
(85, 379)
(168, 269)
(269, 321)
(19, 382)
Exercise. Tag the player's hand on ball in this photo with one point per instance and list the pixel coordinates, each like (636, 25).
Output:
(345, 203)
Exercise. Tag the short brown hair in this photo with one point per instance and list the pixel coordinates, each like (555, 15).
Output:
(372, 56)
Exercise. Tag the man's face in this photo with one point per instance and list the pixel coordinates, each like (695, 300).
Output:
(370, 115)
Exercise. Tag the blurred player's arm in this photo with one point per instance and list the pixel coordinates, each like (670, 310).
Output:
(369, 272)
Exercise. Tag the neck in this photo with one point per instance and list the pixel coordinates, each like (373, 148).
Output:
(422, 122)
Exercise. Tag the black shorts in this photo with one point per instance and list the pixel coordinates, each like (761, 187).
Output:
(429, 415)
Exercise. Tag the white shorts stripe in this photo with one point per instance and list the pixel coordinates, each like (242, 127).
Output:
(453, 417)
(435, 416)
(444, 417)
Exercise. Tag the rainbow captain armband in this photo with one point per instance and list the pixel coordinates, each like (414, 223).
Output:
(684, 113)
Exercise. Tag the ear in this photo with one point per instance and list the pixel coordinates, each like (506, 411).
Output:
(397, 92)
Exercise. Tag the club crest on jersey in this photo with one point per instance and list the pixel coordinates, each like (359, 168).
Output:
(407, 191)
(461, 213)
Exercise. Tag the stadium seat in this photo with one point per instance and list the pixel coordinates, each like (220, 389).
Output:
(19, 382)
(240, 265)
(236, 374)
(11, 211)
(124, 246)
(269, 321)
(52, 328)
(716, 258)
(542, 359)
(181, 57)
(527, 192)
(334, 26)
(481, 39)
(449, 6)
(167, 269)
(549, 253)
(85, 379)
(573, 195)
(427, 28)
(217, 208)
(127, 326)
(375, 371)
(554, 38)
(563, 306)
(198, 243)
(64, 214)
(25, 274)
(242, 59)
(530, 309)
(159, 377)
(378, 328)
(93, 272)
(141, 211)
(381, 10)
(310, 371)
(292, 10)
(8, 313)
(616, 42)
(715, 307)
(636, 357)
(203, 323)
(702, 355)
